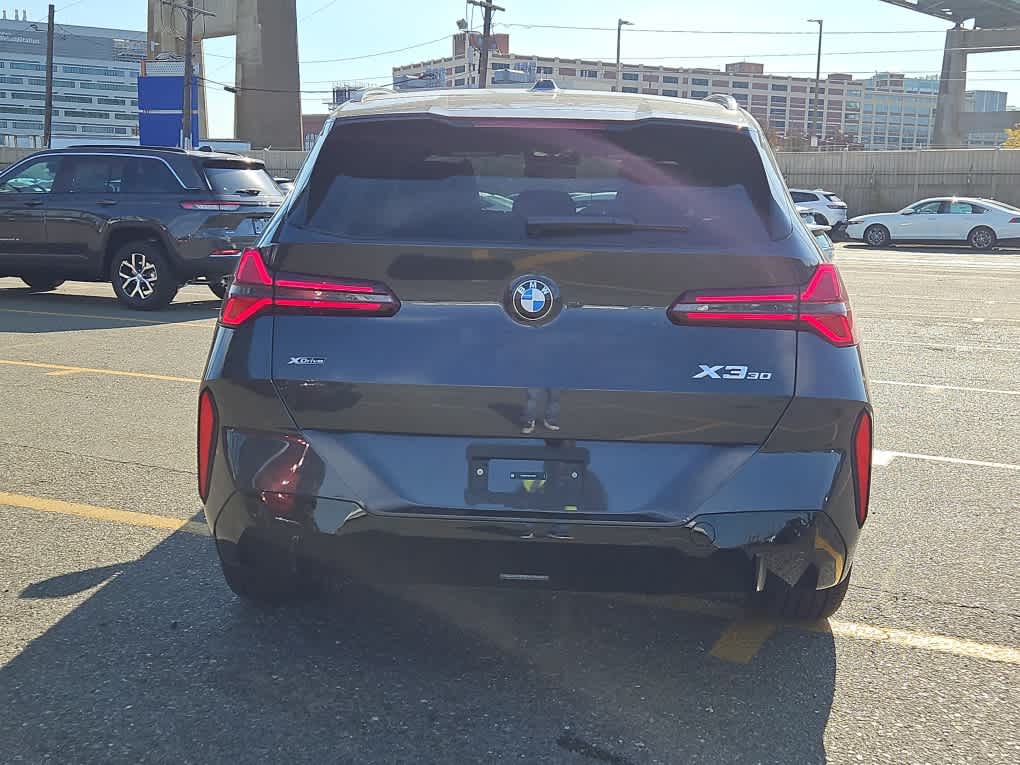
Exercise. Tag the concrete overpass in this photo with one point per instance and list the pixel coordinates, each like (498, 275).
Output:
(996, 29)
(267, 106)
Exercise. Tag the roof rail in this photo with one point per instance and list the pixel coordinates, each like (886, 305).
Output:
(727, 102)
(125, 147)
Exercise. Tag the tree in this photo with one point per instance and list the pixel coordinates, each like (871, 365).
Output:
(1012, 138)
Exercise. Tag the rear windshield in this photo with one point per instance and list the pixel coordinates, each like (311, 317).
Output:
(832, 197)
(430, 180)
(240, 178)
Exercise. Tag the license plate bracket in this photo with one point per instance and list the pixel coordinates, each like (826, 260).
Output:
(527, 477)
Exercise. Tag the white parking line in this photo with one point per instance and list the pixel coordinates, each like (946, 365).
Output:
(943, 346)
(883, 458)
(893, 316)
(937, 387)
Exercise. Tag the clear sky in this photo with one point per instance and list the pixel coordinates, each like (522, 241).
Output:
(861, 37)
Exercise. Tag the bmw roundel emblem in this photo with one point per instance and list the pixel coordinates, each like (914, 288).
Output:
(533, 299)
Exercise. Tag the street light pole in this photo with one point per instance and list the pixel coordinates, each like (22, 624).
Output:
(813, 138)
(620, 23)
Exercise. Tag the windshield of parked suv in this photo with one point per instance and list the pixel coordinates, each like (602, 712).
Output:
(240, 178)
(431, 180)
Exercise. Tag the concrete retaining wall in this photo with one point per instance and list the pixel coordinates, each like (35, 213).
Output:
(881, 181)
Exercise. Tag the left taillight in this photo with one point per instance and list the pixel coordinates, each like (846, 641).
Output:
(254, 291)
(821, 306)
(207, 427)
(862, 466)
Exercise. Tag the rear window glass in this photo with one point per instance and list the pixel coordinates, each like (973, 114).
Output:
(239, 178)
(832, 197)
(430, 180)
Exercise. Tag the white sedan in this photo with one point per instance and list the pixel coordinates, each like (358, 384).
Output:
(981, 223)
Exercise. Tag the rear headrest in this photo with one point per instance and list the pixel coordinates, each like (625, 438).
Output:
(544, 202)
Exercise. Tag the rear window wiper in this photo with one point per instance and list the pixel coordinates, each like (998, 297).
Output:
(538, 225)
(250, 192)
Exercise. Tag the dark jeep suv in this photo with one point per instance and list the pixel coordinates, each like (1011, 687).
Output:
(145, 219)
(639, 372)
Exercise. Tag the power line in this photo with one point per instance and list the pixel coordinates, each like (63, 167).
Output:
(358, 58)
(746, 56)
(320, 9)
(570, 28)
(235, 89)
(374, 55)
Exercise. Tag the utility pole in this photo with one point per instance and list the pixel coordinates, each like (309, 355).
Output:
(620, 24)
(483, 59)
(190, 11)
(189, 72)
(48, 117)
(813, 139)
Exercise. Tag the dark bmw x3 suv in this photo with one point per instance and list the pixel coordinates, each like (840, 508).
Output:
(658, 390)
(145, 219)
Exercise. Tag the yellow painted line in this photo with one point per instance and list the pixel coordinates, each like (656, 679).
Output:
(127, 517)
(741, 641)
(62, 373)
(201, 323)
(67, 370)
(126, 319)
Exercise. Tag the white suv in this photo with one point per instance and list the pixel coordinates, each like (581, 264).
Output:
(829, 210)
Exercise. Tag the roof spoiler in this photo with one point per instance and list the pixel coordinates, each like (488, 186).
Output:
(727, 102)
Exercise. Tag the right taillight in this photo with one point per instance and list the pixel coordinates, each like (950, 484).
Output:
(821, 307)
(254, 291)
(825, 307)
(862, 466)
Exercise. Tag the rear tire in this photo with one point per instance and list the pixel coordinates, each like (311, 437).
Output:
(220, 286)
(877, 236)
(41, 283)
(802, 602)
(981, 238)
(142, 277)
(265, 574)
(821, 220)
(264, 587)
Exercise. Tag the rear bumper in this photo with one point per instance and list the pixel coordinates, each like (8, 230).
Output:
(211, 257)
(713, 552)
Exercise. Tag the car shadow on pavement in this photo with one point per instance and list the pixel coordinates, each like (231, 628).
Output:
(27, 312)
(934, 249)
(163, 664)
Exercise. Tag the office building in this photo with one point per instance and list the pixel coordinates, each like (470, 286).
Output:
(986, 101)
(95, 82)
(885, 111)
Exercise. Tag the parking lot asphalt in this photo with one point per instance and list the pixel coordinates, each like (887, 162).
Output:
(119, 641)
